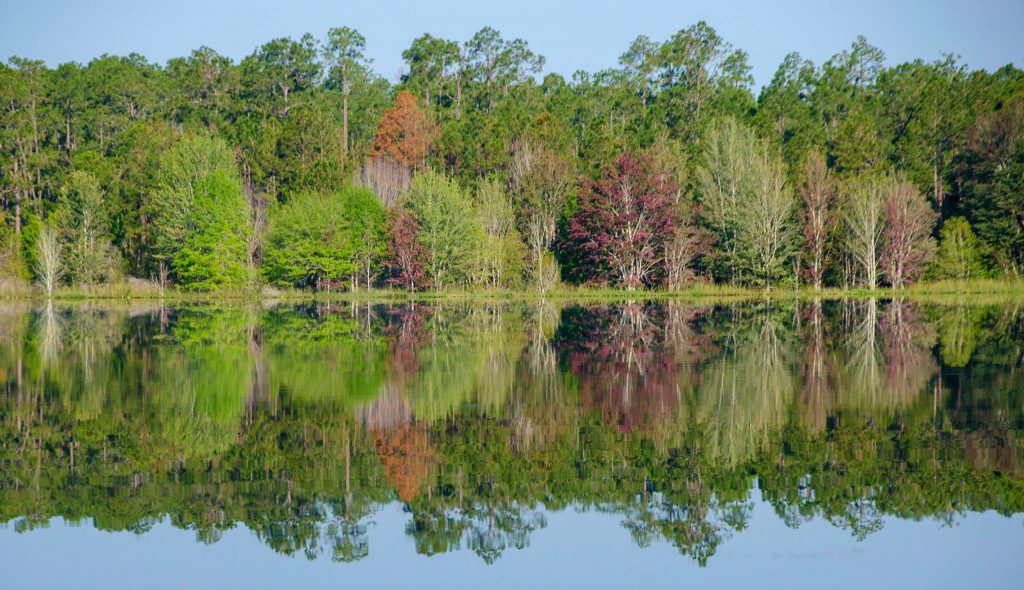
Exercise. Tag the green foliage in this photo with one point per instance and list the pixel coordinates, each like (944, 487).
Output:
(301, 115)
(747, 203)
(31, 228)
(301, 423)
(447, 226)
(959, 257)
(83, 219)
(317, 240)
(501, 253)
(182, 169)
(214, 250)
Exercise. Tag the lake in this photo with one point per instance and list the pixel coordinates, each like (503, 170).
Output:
(637, 444)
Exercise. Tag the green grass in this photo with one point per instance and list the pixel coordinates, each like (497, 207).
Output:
(951, 291)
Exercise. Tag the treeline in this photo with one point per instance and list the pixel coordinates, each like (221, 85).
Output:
(300, 166)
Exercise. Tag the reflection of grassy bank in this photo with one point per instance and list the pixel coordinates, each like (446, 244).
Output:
(979, 291)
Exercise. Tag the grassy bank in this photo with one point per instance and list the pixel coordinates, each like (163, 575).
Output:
(970, 291)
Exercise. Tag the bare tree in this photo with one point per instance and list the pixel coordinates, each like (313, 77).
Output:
(49, 266)
(818, 217)
(540, 181)
(387, 178)
(863, 222)
(680, 253)
(765, 227)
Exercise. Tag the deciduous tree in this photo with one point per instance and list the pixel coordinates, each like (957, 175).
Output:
(958, 257)
(406, 132)
(623, 223)
(447, 226)
(907, 243)
(818, 215)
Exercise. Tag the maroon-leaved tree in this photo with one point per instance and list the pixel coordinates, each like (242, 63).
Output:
(907, 243)
(624, 221)
(406, 257)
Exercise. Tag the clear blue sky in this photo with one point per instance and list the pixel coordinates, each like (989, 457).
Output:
(572, 35)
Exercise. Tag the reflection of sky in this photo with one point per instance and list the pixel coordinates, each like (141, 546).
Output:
(575, 550)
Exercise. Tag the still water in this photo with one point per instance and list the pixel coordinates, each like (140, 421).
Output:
(818, 444)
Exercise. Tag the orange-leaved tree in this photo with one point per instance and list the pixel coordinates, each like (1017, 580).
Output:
(406, 132)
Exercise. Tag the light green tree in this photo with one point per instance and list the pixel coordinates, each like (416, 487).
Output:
(317, 239)
(959, 257)
(214, 251)
(501, 252)
(83, 220)
(182, 168)
(447, 226)
(746, 202)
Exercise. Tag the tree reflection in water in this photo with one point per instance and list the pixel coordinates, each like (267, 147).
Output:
(301, 422)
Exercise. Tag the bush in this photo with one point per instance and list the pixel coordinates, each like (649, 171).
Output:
(319, 239)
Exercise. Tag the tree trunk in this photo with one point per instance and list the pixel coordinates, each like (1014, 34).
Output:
(344, 115)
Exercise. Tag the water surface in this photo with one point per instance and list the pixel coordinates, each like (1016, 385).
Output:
(500, 445)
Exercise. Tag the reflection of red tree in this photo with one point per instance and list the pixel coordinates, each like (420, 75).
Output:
(406, 334)
(817, 370)
(629, 359)
(907, 347)
(407, 454)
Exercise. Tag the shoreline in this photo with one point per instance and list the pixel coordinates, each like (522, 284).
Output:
(978, 291)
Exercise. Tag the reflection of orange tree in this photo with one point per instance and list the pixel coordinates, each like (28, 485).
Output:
(305, 469)
(407, 455)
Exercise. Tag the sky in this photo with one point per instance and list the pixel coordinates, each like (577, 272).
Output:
(572, 34)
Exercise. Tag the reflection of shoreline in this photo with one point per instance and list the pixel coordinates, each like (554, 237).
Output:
(475, 415)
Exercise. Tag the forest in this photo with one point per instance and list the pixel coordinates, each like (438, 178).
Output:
(300, 167)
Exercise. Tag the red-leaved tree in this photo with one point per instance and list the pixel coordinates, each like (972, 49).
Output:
(624, 221)
(406, 257)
